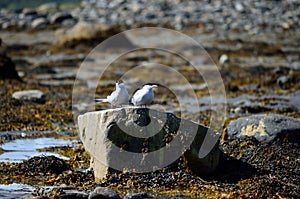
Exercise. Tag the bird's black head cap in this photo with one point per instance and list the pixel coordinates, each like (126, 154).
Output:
(120, 81)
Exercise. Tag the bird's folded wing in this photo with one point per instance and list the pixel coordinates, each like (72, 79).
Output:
(138, 96)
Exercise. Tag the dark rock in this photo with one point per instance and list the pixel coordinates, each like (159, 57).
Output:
(45, 164)
(60, 17)
(103, 193)
(8, 68)
(141, 195)
(265, 127)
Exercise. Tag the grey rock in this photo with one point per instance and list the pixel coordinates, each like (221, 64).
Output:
(282, 81)
(239, 7)
(28, 95)
(265, 127)
(143, 140)
(39, 23)
(7, 25)
(103, 193)
(296, 65)
(69, 22)
(141, 195)
(294, 99)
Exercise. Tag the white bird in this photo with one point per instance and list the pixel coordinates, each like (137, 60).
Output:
(144, 96)
(118, 97)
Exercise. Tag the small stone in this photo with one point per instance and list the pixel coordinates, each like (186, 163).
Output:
(103, 193)
(28, 95)
(239, 7)
(283, 81)
(39, 23)
(285, 25)
(224, 59)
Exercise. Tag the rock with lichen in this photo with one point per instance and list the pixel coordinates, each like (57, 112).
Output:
(265, 127)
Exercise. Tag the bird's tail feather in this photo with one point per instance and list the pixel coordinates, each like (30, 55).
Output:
(101, 100)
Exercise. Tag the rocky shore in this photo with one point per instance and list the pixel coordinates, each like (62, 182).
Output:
(250, 16)
(254, 44)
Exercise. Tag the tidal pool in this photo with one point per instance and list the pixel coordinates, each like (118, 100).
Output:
(15, 190)
(23, 149)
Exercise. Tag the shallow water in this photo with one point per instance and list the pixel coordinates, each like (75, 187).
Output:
(15, 190)
(23, 149)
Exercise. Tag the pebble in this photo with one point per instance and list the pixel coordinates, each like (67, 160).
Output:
(28, 95)
(283, 81)
(39, 23)
(103, 193)
(224, 59)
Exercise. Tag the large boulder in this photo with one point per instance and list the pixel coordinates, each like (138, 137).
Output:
(143, 140)
(265, 127)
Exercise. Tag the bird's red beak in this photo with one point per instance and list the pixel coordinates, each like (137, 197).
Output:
(154, 86)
